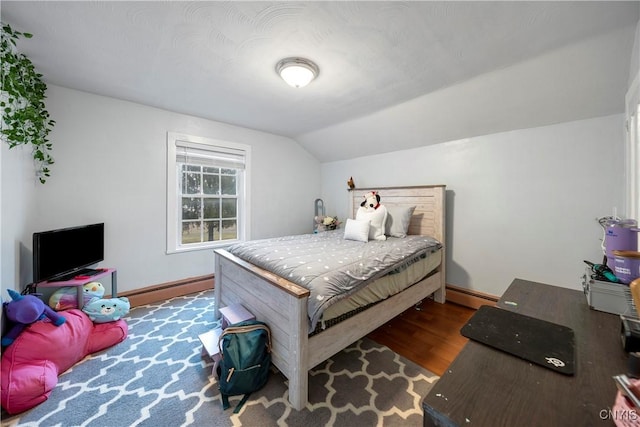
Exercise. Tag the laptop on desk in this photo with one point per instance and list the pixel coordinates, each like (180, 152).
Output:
(544, 343)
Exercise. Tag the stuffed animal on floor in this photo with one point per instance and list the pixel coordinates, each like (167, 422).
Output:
(31, 365)
(24, 310)
(67, 297)
(101, 310)
(371, 210)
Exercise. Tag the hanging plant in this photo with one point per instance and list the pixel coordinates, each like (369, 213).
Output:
(25, 120)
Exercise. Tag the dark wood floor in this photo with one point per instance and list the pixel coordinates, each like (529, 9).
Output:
(429, 337)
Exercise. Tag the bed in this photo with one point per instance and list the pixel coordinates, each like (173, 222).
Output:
(283, 304)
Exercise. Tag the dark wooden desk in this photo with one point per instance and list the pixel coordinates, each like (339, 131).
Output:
(487, 387)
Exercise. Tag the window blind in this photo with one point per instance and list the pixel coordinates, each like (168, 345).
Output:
(193, 153)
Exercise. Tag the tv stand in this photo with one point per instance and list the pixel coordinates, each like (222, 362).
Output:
(79, 280)
(89, 272)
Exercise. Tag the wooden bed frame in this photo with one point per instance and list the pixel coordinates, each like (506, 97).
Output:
(283, 304)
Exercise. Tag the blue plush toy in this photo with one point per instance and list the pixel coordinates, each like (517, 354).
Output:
(102, 310)
(24, 310)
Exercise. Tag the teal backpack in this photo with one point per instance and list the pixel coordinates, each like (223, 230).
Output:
(246, 358)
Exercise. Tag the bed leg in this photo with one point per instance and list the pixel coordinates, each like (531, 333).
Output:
(299, 390)
(216, 305)
(298, 353)
(440, 296)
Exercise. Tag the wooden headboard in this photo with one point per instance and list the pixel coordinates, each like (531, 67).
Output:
(429, 200)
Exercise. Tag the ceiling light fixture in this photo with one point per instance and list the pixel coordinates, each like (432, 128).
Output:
(297, 72)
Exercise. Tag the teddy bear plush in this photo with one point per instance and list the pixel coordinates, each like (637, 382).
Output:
(24, 310)
(373, 211)
(102, 310)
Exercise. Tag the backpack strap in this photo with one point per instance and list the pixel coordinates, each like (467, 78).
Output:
(225, 401)
(242, 402)
(226, 405)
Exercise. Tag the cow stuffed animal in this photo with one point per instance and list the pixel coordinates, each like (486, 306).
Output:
(371, 201)
(373, 211)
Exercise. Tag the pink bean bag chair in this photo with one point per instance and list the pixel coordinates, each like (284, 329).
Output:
(42, 351)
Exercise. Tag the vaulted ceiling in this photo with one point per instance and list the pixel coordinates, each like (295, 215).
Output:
(393, 75)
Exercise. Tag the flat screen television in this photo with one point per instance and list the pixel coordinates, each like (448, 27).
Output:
(61, 254)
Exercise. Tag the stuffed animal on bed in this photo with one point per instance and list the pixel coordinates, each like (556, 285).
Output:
(371, 210)
(101, 310)
(24, 310)
(371, 201)
(67, 297)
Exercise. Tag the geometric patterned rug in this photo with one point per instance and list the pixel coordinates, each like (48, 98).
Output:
(157, 377)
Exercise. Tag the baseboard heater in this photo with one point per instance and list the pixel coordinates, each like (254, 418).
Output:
(469, 298)
(165, 291)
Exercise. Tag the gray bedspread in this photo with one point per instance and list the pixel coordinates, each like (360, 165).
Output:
(329, 266)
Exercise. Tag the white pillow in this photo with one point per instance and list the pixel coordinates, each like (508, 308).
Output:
(378, 219)
(398, 220)
(356, 230)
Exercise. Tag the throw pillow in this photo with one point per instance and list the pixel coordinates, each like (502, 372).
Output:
(398, 220)
(356, 230)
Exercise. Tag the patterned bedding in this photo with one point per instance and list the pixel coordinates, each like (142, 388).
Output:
(329, 266)
(383, 288)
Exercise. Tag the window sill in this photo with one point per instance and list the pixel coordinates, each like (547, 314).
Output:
(201, 247)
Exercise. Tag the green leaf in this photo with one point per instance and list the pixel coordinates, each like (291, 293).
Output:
(26, 120)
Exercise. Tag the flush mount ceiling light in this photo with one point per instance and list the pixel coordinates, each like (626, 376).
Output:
(297, 72)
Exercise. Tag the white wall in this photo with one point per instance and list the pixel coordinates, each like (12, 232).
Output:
(520, 204)
(17, 209)
(634, 66)
(110, 165)
(633, 162)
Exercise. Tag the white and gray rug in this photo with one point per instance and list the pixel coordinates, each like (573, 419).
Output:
(157, 377)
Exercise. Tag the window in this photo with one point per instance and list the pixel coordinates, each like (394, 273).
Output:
(207, 192)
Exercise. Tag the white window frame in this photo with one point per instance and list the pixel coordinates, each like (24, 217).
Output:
(173, 197)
